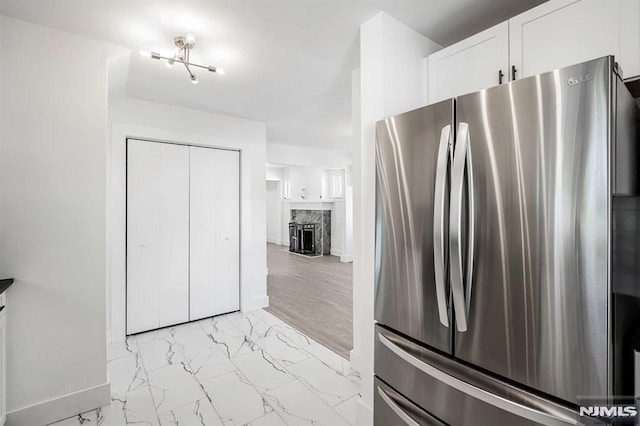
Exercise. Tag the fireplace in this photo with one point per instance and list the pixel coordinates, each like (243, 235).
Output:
(302, 238)
(310, 232)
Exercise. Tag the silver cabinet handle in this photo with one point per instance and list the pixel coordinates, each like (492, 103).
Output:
(476, 392)
(396, 409)
(439, 215)
(461, 162)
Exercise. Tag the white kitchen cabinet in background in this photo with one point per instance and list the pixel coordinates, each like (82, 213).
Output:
(566, 32)
(470, 65)
(215, 231)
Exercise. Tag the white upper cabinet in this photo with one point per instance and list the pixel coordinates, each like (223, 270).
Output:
(470, 65)
(553, 35)
(566, 32)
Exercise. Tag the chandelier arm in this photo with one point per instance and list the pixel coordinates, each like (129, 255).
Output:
(198, 66)
(186, 65)
(166, 58)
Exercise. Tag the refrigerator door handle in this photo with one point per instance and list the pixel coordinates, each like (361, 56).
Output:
(512, 407)
(471, 226)
(439, 252)
(461, 163)
(396, 409)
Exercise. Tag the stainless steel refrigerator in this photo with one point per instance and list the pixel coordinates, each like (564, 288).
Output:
(496, 281)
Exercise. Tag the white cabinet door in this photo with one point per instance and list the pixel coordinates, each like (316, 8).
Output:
(470, 65)
(215, 232)
(565, 32)
(157, 235)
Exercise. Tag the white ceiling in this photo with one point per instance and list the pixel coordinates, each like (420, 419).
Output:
(288, 62)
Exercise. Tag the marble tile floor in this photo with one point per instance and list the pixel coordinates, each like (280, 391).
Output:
(235, 369)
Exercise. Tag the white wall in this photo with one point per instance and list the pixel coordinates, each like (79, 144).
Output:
(53, 158)
(392, 80)
(307, 157)
(274, 212)
(309, 178)
(274, 204)
(142, 119)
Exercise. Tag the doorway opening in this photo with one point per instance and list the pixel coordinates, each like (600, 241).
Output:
(309, 261)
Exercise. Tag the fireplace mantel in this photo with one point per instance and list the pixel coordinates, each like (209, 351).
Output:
(308, 204)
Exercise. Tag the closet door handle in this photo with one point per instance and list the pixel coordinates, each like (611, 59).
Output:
(514, 70)
(500, 76)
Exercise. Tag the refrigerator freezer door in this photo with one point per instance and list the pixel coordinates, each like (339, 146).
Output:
(409, 182)
(455, 393)
(392, 409)
(539, 306)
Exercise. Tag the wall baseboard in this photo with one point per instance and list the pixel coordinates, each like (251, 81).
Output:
(346, 259)
(336, 252)
(365, 414)
(63, 407)
(257, 303)
(355, 361)
(275, 241)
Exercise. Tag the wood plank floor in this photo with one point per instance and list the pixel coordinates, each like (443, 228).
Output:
(314, 295)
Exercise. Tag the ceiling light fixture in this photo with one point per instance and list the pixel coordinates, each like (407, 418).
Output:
(184, 44)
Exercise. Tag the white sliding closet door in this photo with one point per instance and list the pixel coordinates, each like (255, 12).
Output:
(215, 232)
(157, 235)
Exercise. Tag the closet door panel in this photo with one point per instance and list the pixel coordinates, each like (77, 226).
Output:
(215, 232)
(174, 235)
(157, 235)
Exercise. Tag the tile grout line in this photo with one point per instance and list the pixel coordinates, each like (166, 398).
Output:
(323, 401)
(146, 373)
(188, 360)
(296, 378)
(332, 408)
(255, 386)
(253, 321)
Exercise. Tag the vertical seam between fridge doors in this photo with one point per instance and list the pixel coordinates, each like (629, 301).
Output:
(610, 176)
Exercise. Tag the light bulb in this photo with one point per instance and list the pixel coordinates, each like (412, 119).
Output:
(170, 63)
(145, 53)
(194, 79)
(190, 38)
(217, 70)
